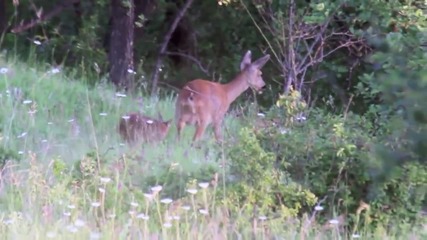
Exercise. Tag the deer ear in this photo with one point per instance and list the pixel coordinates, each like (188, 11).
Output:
(259, 63)
(247, 59)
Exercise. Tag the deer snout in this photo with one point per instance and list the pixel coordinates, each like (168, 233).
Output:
(260, 87)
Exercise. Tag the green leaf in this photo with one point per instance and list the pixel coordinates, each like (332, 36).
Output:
(320, 6)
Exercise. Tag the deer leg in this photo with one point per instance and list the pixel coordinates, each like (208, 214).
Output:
(200, 129)
(179, 126)
(218, 131)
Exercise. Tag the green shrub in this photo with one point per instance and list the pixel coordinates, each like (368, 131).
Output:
(254, 181)
(337, 156)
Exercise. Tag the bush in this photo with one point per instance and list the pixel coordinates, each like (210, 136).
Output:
(254, 181)
(328, 155)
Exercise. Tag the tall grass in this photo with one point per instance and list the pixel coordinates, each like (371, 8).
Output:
(50, 122)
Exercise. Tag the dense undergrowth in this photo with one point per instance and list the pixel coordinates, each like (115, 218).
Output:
(279, 175)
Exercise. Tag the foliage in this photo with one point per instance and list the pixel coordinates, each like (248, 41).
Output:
(350, 139)
(337, 157)
(78, 40)
(254, 180)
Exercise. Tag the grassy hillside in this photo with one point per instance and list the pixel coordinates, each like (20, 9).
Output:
(56, 132)
(44, 113)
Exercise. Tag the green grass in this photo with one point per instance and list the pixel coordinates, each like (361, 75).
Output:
(49, 123)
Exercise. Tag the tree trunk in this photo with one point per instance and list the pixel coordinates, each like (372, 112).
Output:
(120, 53)
(291, 78)
(3, 20)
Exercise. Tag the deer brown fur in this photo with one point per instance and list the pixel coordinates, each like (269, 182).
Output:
(136, 127)
(202, 102)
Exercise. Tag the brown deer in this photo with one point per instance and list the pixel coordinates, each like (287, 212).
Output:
(201, 102)
(136, 127)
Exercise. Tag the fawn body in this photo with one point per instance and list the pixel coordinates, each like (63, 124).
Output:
(202, 102)
(136, 127)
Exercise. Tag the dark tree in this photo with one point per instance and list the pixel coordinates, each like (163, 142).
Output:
(2, 16)
(120, 54)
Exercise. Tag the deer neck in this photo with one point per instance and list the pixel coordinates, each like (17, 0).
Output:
(236, 87)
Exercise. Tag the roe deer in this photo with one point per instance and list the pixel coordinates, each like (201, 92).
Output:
(201, 102)
(135, 127)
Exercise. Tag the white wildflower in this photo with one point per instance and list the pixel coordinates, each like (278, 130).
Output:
(96, 204)
(262, 218)
(50, 234)
(125, 117)
(27, 101)
(120, 95)
(301, 118)
(8, 221)
(102, 190)
(355, 235)
(156, 189)
(148, 196)
(166, 200)
(143, 216)
(334, 221)
(203, 211)
(204, 184)
(71, 206)
(318, 208)
(103, 114)
(79, 223)
(167, 225)
(71, 120)
(105, 179)
(49, 123)
(131, 71)
(37, 42)
(192, 190)
(284, 131)
(186, 207)
(261, 114)
(95, 235)
(149, 121)
(4, 70)
(71, 229)
(67, 214)
(134, 204)
(131, 212)
(176, 218)
(54, 71)
(20, 152)
(22, 135)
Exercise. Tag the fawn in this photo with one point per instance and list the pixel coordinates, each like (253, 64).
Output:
(136, 127)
